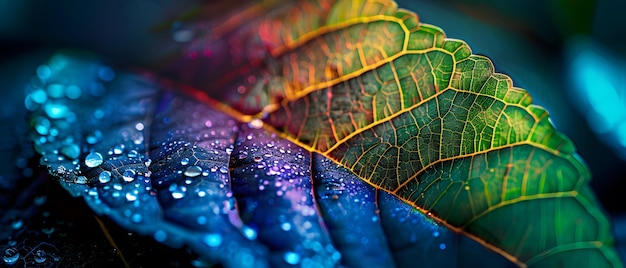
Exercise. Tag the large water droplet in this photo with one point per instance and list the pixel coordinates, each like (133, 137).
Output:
(11, 255)
(193, 171)
(212, 240)
(291, 258)
(104, 177)
(93, 160)
(128, 175)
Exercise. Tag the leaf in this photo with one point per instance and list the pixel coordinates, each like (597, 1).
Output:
(433, 152)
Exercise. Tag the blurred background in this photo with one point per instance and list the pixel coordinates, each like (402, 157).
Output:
(569, 54)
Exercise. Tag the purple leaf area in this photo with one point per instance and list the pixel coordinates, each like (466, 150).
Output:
(168, 166)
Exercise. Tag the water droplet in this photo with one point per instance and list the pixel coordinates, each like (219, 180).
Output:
(128, 175)
(130, 196)
(40, 256)
(44, 72)
(291, 258)
(202, 220)
(81, 180)
(249, 232)
(118, 149)
(436, 233)
(193, 171)
(17, 224)
(106, 73)
(177, 192)
(139, 126)
(243, 155)
(42, 125)
(255, 124)
(184, 161)
(93, 160)
(257, 159)
(467, 187)
(94, 137)
(212, 240)
(11, 255)
(136, 218)
(442, 246)
(39, 96)
(71, 151)
(132, 154)
(223, 169)
(208, 123)
(104, 177)
(285, 226)
(55, 90)
(73, 92)
(160, 236)
(56, 110)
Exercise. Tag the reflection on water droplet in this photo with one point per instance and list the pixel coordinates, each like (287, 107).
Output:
(11, 255)
(184, 161)
(285, 226)
(128, 175)
(257, 159)
(104, 177)
(93, 160)
(193, 171)
(212, 240)
(130, 196)
(291, 258)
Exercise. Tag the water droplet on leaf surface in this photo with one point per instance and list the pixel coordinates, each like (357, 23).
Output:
(193, 171)
(128, 175)
(11, 255)
(93, 160)
(104, 177)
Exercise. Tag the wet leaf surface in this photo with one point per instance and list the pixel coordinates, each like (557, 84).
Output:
(353, 136)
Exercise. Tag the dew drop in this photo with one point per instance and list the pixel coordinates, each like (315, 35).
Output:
(71, 151)
(223, 169)
(257, 159)
(160, 236)
(208, 123)
(193, 171)
(184, 161)
(11, 255)
(255, 124)
(136, 218)
(130, 196)
(17, 224)
(128, 175)
(243, 155)
(56, 111)
(212, 240)
(132, 154)
(40, 256)
(104, 177)
(118, 149)
(93, 160)
(285, 226)
(291, 258)
(442, 246)
(249, 233)
(81, 180)
(94, 137)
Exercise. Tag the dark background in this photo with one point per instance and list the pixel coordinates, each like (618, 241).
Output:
(536, 42)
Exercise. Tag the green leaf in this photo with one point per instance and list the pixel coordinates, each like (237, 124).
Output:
(414, 114)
